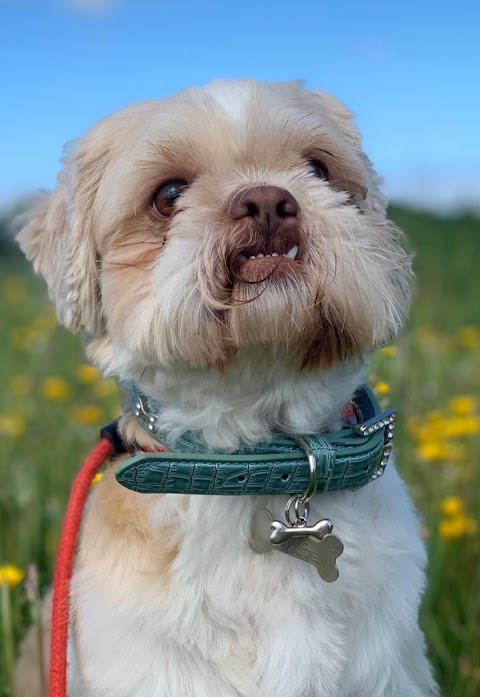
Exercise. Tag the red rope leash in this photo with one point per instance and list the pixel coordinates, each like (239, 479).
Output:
(64, 565)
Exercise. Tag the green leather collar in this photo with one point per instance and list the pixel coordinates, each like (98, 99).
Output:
(346, 459)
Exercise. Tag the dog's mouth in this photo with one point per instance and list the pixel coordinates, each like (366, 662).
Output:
(254, 264)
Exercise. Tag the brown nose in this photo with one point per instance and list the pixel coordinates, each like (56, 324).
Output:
(267, 205)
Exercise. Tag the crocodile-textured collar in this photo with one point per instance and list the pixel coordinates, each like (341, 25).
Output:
(347, 459)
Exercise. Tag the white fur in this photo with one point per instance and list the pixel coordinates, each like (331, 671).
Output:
(241, 624)
(234, 100)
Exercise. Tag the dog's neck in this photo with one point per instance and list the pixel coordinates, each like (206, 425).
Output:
(253, 397)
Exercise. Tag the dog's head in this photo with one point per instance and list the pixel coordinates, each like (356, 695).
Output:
(238, 214)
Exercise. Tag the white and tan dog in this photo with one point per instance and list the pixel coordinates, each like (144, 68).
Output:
(227, 249)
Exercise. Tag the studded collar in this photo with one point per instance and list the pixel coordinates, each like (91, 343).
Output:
(345, 460)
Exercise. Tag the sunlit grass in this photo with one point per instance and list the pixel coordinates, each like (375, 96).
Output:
(54, 404)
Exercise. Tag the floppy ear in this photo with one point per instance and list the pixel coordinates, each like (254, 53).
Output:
(59, 240)
(343, 119)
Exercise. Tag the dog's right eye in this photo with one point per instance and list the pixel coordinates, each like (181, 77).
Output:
(163, 202)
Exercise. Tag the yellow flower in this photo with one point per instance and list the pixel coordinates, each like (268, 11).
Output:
(463, 405)
(382, 387)
(97, 478)
(87, 373)
(105, 388)
(389, 351)
(11, 425)
(86, 415)
(14, 289)
(469, 337)
(452, 506)
(464, 426)
(20, 385)
(55, 388)
(24, 338)
(457, 526)
(11, 575)
(432, 451)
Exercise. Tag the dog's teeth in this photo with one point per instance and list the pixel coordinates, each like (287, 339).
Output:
(274, 254)
(293, 252)
(253, 257)
(260, 256)
(242, 257)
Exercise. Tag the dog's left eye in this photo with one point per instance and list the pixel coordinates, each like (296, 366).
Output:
(165, 197)
(319, 169)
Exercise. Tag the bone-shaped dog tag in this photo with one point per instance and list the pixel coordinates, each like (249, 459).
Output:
(314, 544)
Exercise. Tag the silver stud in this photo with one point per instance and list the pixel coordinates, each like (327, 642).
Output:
(150, 427)
(137, 413)
(151, 419)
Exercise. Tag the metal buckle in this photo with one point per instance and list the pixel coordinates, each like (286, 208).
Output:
(142, 410)
(384, 420)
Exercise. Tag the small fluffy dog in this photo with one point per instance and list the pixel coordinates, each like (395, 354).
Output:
(227, 251)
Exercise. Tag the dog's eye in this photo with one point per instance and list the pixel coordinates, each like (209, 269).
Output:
(165, 197)
(319, 169)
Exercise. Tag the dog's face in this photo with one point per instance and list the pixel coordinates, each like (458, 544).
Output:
(238, 214)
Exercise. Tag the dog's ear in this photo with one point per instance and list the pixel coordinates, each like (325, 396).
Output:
(343, 120)
(342, 116)
(59, 237)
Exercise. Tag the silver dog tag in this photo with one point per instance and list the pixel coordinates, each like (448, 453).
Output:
(314, 544)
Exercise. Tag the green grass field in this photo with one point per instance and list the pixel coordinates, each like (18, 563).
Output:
(53, 406)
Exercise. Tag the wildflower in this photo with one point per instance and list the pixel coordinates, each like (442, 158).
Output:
(389, 351)
(19, 386)
(11, 425)
(105, 388)
(465, 426)
(23, 338)
(469, 337)
(456, 526)
(14, 289)
(86, 415)
(432, 451)
(97, 477)
(11, 575)
(452, 506)
(382, 387)
(55, 388)
(463, 405)
(87, 373)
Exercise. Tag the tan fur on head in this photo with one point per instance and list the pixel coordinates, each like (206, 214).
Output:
(161, 292)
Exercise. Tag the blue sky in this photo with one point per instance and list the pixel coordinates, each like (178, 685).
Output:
(409, 70)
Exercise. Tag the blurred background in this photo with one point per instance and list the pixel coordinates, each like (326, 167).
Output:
(410, 72)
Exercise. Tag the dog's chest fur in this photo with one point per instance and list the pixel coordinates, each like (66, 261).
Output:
(172, 601)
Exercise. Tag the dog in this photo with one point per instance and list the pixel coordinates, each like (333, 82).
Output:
(226, 252)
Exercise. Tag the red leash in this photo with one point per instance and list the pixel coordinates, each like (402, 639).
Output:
(64, 565)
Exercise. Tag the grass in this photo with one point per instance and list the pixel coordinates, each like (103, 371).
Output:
(53, 407)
